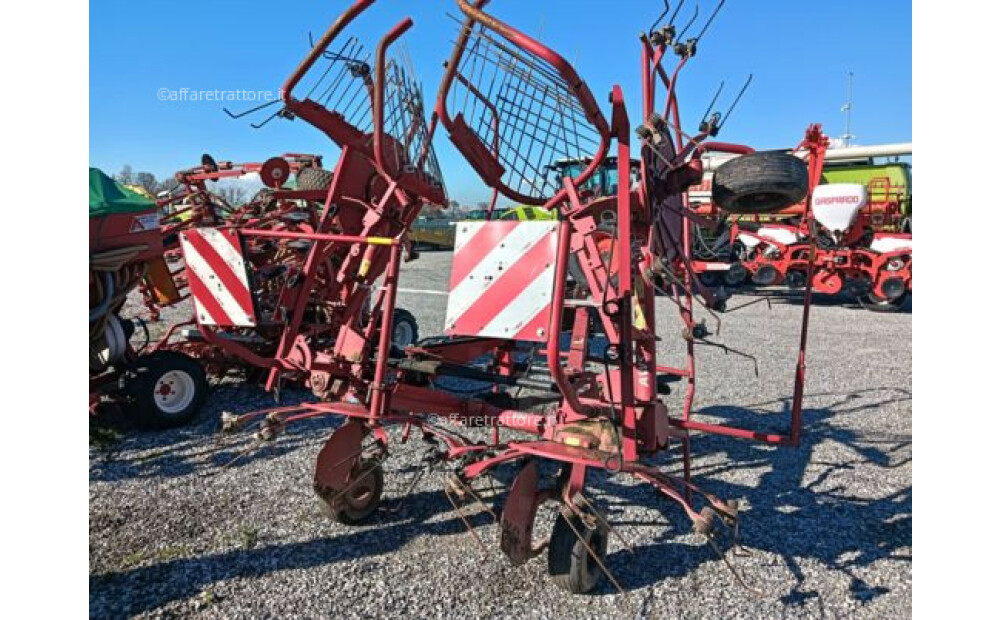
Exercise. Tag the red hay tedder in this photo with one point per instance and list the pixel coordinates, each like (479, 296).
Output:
(514, 109)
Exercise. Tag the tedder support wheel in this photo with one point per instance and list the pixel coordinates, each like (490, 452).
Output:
(404, 328)
(362, 497)
(571, 566)
(310, 178)
(763, 182)
(166, 389)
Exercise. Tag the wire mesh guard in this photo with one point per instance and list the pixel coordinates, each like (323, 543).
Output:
(522, 110)
(405, 122)
(345, 85)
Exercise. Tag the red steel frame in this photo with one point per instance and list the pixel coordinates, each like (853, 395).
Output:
(373, 389)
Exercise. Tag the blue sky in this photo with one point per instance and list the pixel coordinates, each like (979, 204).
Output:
(799, 52)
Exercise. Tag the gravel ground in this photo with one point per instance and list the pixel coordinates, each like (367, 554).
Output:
(828, 525)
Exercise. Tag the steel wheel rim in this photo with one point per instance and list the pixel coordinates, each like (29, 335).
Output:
(402, 334)
(174, 391)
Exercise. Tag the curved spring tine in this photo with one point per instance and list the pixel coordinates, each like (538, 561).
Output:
(666, 9)
(732, 569)
(735, 101)
(600, 517)
(676, 11)
(251, 110)
(461, 515)
(712, 103)
(728, 350)
(765, 298)
(689, 24)
(266, 120)
(475, 496)
(710, 20)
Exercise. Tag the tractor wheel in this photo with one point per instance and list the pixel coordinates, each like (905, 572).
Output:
(314, 178)
(404, 328)
(166, 390)
(362, 498)
(763, 182)
(874, 303)
(570, 564)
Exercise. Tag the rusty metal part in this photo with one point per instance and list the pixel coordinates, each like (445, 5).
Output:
(567, 514)
(518, 517)
(461, 515)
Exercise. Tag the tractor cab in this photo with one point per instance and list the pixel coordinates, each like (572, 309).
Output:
(604, 181)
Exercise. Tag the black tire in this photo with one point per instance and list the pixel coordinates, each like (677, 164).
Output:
(361, 501)
(404, 327)
(874, 303)
(760, 183)
(735, 276)
(710, 279)
(571, 566)
(151, 407)
(310, 178)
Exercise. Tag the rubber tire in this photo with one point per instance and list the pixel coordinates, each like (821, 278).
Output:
(344, 513)
(570, 565)
(730, 280)
(310, 178)
(710, 279)
(399, 315)
(140, 384)
(764, 182)
(876, 304)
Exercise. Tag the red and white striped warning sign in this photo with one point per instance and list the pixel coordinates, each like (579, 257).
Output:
(217, 277)
(502, 278)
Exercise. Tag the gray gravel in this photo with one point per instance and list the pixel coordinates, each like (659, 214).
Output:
(828, 525)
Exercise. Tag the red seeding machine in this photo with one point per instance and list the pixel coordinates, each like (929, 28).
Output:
(159, 388)
(857, 230)
(514, 109)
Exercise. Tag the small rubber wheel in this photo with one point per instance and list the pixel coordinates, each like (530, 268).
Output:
(405, 331)
(736, 275)
(710, 279)
(570, 564)
(166, 390)
(763, 182)
(874, 303)
(363, 498)
(310, 178)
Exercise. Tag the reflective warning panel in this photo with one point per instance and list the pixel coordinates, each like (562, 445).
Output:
(502, 279)
(217, 277)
